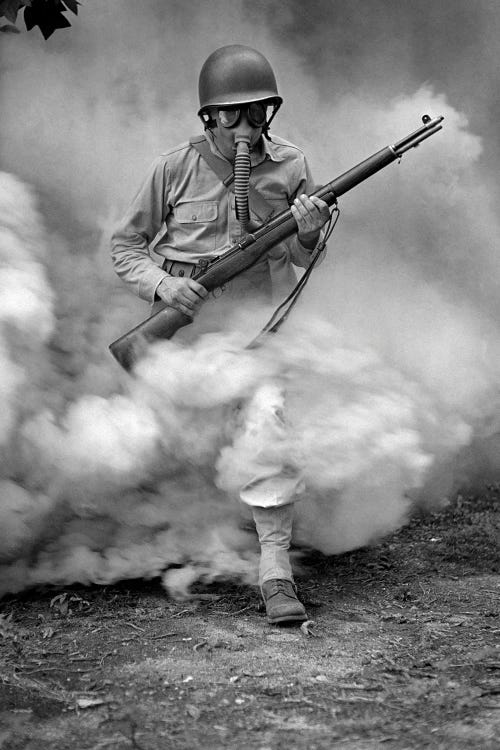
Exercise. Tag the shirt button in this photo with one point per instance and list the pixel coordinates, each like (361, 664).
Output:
(194, 217)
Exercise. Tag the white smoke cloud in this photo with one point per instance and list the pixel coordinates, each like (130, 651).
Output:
(107, 437)
(390, 362)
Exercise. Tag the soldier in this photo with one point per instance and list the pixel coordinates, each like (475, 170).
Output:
(195, 203)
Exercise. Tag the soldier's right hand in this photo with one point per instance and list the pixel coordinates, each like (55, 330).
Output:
(185, 295)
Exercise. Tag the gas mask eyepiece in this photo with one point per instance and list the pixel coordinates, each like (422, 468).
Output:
(256, 114)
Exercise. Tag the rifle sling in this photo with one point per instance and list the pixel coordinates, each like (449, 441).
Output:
(258, 203)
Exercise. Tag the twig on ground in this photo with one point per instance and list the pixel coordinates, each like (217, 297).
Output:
(55, 669)
(136, 627)
(182, 612)
(84, 658)
(238, 611)
(199, 645)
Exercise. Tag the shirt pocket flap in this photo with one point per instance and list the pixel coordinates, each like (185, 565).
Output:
(196, 212)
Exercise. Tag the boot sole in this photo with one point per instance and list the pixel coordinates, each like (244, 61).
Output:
(287, 618)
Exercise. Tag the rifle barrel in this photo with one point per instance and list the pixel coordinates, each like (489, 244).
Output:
(411, 141)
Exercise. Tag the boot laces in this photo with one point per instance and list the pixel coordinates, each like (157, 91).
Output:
(281, 586)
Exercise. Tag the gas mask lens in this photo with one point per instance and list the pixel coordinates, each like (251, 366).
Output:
(256, 114)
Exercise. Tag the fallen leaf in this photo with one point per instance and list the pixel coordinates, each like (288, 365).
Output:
(89, 702)
(321, 678)
(193, 711)
(306, 628)
(6, 627)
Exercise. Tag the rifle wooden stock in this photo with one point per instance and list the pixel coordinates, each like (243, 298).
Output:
(163, 324)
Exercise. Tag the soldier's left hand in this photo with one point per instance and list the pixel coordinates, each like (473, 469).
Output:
(310, 213)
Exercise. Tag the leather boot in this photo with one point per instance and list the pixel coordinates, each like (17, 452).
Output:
(281, 601)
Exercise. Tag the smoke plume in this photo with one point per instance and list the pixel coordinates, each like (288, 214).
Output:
(390, 363)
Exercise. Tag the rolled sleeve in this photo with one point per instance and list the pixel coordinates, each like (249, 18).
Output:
(300, 255)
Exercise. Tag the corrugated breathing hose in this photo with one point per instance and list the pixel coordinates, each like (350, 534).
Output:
(242, 181)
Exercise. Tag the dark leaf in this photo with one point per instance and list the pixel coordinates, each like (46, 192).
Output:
(47, 14)
(72, 5)
(10, 9)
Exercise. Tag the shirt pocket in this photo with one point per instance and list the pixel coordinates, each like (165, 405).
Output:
(195, 227)
(196, 212)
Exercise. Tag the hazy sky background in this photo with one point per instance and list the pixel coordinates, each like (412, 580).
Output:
(84, 113)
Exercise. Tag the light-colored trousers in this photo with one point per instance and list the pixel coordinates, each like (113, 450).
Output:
(273, 484)
(270, 484)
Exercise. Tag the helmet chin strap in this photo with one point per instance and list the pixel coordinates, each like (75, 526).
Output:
(241, 170)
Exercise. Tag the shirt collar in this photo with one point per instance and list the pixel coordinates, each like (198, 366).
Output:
(270, 150)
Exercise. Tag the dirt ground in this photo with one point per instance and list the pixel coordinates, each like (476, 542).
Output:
(403, 653)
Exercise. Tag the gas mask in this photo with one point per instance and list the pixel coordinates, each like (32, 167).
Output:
(256, 114)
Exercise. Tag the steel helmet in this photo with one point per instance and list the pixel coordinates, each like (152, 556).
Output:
(236, 74)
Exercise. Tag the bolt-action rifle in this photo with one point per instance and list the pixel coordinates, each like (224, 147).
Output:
(163, 324)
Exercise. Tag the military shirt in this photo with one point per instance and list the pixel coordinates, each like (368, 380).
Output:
(183, 212)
